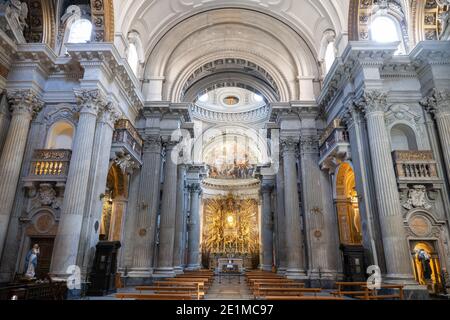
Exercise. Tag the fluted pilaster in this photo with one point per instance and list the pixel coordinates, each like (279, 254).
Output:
(280, 220)
(97, 182)
(194, 227)
(320, 229)
(179, 220)
(294, 237)
(168, 212)
(396, 251)
(24, 104)
(438, 104)
(67, 241)
(267, 228)
(147, 208)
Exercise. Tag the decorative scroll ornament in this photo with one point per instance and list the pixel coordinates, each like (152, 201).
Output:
(91, 101)
(13, 18)
(25, 101)
(372, 102)
(438, 103)
(126, 163)
(110, 114)
(47, 196)
(417, 198)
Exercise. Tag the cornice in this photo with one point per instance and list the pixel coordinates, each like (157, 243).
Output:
(357, 55)
(106, 55)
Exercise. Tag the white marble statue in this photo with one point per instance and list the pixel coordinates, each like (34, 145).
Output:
(31, 262)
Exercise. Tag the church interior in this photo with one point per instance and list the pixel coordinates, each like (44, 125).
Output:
(212, 149)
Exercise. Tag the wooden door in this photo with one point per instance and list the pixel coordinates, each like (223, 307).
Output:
(45, 256)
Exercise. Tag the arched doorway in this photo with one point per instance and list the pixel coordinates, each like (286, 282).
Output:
(426, 264)
(349, 224)
(347, 203)
(114, 205)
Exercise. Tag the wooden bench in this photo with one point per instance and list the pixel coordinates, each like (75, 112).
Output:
(203, 281)
(252, 283)
(137, 296)
(286, 291)
(192, 290)
(199, 285)
(342, 291)
(197, 278)
(303, 298)
(373, 294)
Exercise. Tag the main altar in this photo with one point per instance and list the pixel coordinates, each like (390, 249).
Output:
(230, 233)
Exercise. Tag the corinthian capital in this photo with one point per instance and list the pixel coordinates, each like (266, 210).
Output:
(309, 144)
(110, 114)
(152, 143)
(91, 101)
(25, 102)
(194, 187)
(289, 145)
(372, 102)
(438, 103)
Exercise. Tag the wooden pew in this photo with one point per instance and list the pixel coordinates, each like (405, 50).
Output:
(373, 294)
(138, 296)
(207, 280)
(168, 283)
(252, 282)
(342, 289)
(192, 290)
(261, 293)
(303, 298)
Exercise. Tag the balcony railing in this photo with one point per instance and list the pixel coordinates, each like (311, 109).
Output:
(50, 165)
(126, 139)
(334, 141)
(415, 165)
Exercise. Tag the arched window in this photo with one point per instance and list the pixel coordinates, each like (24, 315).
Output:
(403, 138)
(80, 31)
(61, 136)
(384, 29)
(330, 56)
(133, 58)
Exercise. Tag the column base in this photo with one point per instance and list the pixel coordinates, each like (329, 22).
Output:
(193, 267)
(281, 271)
(325, 279)
(167, 272)
(266, 267)
(296, 274)
(178, 270)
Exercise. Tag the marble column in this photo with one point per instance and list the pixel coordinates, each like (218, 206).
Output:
(267, 228)
(180, 220)
(396, 251)
(280, 219)
(439, 105)
(25, 104)
(147, 208)
(320, 231)
(97, 184)
(168, 212)
(67, 240)
(360, 155)
(5, 119)
(194, 228)
(294, 233)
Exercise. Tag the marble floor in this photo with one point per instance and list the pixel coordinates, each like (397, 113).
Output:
(229, 289)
